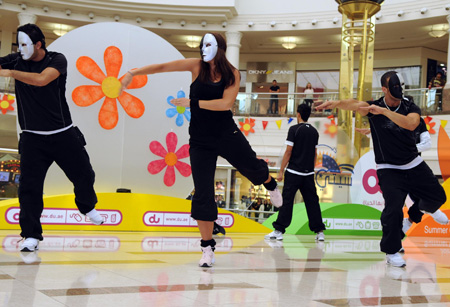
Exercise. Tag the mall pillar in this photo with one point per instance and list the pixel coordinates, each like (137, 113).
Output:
(7, 40)
(233, 47)
(25, 18)
(446, 91)
(6, 45)
(358, 29)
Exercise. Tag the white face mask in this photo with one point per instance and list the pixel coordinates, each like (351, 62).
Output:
(26, 46)
(209, 49)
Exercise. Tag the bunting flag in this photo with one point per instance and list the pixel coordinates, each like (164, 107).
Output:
(443, 123)
(247, 125)
(278, 123)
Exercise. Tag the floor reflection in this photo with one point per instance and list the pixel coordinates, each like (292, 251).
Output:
(160, 269)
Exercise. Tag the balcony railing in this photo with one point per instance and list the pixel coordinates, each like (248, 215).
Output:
(257, 104)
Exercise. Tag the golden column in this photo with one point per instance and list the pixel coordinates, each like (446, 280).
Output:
(358, 30)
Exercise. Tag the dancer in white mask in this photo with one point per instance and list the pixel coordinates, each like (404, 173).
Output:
(400, 170)
(48, 134)
(213, 132)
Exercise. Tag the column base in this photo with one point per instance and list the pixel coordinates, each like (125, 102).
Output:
(446, 98)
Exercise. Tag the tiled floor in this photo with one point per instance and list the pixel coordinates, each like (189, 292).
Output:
(160, 269)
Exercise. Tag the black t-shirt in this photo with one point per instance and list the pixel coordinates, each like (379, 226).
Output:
(41, 108)
(393, 144)
(206, 122)
(274, 88)
(420, 129)
(304, 139)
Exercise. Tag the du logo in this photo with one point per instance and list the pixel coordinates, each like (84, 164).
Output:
(365, 189)
(154, 219)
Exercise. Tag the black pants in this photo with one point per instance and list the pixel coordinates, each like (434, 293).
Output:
(234, 147)
(307, 186)
(414, 212)
(38, 152)
(396, 185)
(273, 101)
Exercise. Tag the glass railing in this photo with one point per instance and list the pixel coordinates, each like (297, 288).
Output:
(264, 104)
(259, 103)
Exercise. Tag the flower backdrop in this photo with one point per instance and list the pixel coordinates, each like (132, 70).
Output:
(178, 110)
(86, 95)
(6, 102)
(171, 159)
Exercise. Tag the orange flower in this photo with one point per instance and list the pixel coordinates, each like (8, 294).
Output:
(6, 103)
(247, 126)
(86, 95)
(331, 128)
(430, 124)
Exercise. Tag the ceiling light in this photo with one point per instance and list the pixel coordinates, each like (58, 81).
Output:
(60, 29)
(294, 23)
(438, 30)
(335, 20)
(159, 22)
(68, 12)
(289, 42)
(378, 16)
(224, 24)
(313, 22)
(423, 10)
(203, 23)
(193, 41)
(183, 23)
(138, 19)
(91, 15)
(273, 23)
(400, 13)
(251, 24)
(45, 9)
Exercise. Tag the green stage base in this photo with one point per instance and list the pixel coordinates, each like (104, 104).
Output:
(339, 219)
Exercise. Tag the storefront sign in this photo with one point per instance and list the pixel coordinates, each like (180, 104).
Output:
(269, 71)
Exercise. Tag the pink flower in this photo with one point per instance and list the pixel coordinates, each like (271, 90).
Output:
(170, 159)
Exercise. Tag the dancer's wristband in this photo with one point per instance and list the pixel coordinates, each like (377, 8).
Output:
(131, 73)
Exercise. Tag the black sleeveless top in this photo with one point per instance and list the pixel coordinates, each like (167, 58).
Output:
(207, 123)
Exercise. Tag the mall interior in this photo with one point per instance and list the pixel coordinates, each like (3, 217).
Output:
(147, 250)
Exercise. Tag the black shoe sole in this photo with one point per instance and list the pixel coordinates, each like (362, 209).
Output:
(26, 249)
(218, 229)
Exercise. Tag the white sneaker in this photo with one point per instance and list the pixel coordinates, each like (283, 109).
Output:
(95, 217)
(207, 257)
(275, 198)
(274, 244)
(320, 236)
(30, 257)
(406, 225)
(439, 217)
(395, 260)
(274, 235)
(29, 245)
(396, 273)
